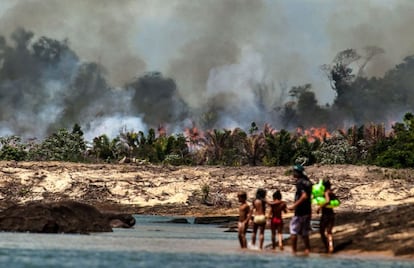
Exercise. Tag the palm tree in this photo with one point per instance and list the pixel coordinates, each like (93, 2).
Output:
(215, 142)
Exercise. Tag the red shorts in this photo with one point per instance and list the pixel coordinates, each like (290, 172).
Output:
(276, 221)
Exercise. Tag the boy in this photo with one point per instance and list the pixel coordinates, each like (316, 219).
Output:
(276, 221)
(244, 211)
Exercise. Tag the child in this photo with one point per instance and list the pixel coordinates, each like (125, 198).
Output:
(276, 221)
(244, 211)
(259, 219)
(327, 218)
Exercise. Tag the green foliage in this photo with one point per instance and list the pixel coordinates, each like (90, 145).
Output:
(167, 149)
(303, 110)
(366, 144)
(173, 159)
(24, 192)
(279, 148)
(336, 150)
(12, 149)
(365, 138)
(304, 150)
(398, 150)
(104, 149)
(205, 191)
(177, 151)
(234, 151)
(225, 147)
(253, 128)
(172, 149)
(255, 148)
(61, 146)
(215, 143)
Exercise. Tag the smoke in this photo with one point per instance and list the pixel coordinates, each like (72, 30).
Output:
(219, 29)
(241, 102)
(219, 63)
(386, 24)
(113, 125)
(101, 31)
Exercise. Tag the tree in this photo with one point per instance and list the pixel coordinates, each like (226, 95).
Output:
(336, 150)
(215, 143)
(304, 110)
(234, 148)
(279, 148)
(105, 149)
(398, 150)
(341, 76)
(172, 149)
(12, 148)
(255, 148)
(51, 51)
(304, 150)
(62, 146)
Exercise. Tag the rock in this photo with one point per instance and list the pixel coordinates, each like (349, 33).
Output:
(179, 220)
(215, 219)
(119, 220)
(54, 217)
(175, 220)
(117, 223)
(231, 230)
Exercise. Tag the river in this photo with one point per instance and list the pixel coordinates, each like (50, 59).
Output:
(155, 243)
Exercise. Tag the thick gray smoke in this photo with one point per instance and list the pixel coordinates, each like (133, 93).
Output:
(136, 64)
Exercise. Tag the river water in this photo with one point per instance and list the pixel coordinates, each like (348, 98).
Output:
(155, 243)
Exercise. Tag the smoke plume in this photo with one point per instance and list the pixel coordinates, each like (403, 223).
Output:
(138, 64)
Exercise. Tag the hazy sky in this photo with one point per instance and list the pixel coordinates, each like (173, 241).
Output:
(292, 37)
(213, 46)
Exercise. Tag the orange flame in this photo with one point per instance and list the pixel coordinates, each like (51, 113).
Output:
(162, 131)
(312, 134)
(194, 137)
(268, 130)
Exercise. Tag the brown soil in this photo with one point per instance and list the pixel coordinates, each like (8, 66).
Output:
(375, 215)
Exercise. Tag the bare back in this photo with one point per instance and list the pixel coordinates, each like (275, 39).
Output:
(244, 211)
(258, 207)
(278, 208)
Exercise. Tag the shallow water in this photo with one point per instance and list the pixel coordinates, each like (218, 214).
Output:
(157, 244)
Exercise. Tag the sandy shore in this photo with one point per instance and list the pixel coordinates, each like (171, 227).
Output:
(373, 218)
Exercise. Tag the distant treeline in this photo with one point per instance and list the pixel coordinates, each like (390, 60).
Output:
(366, 144)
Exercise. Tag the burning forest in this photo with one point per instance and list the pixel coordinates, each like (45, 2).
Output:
(46, 89)
(239, 90)
(45, 86)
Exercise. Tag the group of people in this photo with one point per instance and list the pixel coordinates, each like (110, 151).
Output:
(300, 224)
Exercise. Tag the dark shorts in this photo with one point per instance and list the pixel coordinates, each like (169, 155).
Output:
(327, 222)
(300, 225)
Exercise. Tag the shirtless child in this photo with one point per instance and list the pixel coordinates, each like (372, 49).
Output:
(276, 222)
(244, 211)
(259, 218)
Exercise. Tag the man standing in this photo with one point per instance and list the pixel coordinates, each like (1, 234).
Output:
(300, 223)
